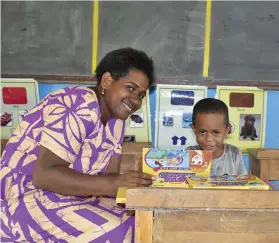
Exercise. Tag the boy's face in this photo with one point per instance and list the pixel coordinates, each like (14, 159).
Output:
(210, 131)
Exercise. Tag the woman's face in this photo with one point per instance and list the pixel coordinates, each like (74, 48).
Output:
(124, 96)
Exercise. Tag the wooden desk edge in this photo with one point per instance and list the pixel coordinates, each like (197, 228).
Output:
(202, 199)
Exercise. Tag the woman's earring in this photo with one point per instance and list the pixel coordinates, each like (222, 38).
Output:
(103, 91)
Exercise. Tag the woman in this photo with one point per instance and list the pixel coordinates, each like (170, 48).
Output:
(65, 155)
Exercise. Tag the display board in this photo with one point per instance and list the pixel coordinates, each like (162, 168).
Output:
(138, 124)
(46, 37)
(247, 115)
(174, 114)
(171, 32)
(18, 96)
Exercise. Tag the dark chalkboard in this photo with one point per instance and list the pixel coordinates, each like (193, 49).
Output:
(245, 40)
(171, 32)
(46, 37)
(56, 37)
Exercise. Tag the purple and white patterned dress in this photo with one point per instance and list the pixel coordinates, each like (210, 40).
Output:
(68, 123)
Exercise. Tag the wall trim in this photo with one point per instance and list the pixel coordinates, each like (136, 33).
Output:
(210, 83)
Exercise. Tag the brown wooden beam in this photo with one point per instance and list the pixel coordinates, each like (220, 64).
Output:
(213, 83)
(210, 83)
(55, 78)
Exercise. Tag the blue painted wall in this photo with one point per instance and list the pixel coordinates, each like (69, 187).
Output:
(272, 114)
(45, 89)
(272, 120)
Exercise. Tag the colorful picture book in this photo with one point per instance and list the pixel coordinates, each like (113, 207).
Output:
(242, 182)
(121, 195)
(172, 166)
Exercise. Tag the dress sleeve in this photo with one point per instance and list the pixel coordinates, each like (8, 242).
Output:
(68, 120)
(118, 133)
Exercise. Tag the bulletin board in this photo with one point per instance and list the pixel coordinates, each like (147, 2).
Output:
(138, 127)
(247, 106)
(18, 96)
(174, 114)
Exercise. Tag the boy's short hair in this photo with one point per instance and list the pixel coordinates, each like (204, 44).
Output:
(121, 61)
(209, 106)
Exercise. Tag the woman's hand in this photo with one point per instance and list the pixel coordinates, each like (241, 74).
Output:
(131, 179)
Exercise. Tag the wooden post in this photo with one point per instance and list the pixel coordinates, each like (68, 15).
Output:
(144, 226)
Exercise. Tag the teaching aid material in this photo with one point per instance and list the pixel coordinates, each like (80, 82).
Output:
(174, 115)
(241, 182)
(247, 115)
(138, 124)
(121, 195)
(171, 166)
(18, 97)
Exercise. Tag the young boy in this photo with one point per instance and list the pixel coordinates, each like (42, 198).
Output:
(210, 123)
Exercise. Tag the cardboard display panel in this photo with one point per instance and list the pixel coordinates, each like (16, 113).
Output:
(246, 110)
(138, 124)
(18, 96)
(174, 114)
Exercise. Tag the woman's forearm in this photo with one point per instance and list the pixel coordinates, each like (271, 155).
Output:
(66, 181)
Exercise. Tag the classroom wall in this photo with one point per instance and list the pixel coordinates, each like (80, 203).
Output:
(69, 37)
(272, 116)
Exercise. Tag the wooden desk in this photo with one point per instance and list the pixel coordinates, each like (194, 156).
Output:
(264, 163)
(204, 216)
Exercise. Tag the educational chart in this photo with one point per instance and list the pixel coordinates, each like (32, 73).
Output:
(138, 124)
(246, 110)
(18, 96)
(174, 114)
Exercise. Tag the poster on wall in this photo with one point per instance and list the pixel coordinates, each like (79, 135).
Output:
(21, 114)
(250, 127)
(174, 114)
(138, 124)
(18, 96)
(246, 108)
(136, 120)
(6, 119)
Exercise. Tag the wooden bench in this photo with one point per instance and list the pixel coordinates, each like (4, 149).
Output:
(210, 216)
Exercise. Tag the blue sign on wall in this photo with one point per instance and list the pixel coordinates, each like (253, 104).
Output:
(181, 97)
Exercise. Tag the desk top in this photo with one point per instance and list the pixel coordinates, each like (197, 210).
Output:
(201, 199)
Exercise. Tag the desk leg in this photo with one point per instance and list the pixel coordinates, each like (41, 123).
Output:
(144, 226)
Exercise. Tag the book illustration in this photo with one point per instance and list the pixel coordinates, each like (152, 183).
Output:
(172, 166)
(167, 159)
(197, 159)
(200, 160)
(227, 182)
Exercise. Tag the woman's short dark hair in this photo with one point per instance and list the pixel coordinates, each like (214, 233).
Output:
(209, 106)
(119, 62)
